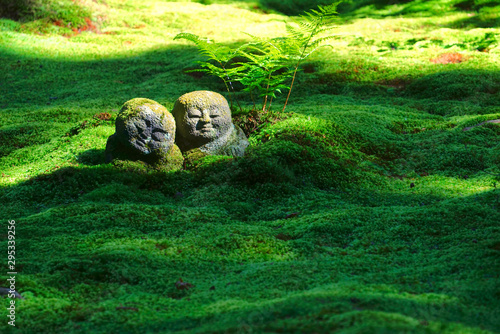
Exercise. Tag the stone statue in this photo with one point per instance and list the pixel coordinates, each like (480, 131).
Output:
(145, 131)
(203, 120)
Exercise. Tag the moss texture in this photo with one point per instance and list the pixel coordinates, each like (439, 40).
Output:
(199, 99)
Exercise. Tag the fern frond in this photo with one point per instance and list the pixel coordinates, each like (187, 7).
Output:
(269, 63)
(324, 15)
(317, 42)
(322, 30)
(308, 27)
(256, 38)
(314, 22)
(315, 49)
(208, 48)
(249, 56)
(213, 70)
(329, 11)
(270, 46)
(184, 35)
(294, 32)
(205, 47)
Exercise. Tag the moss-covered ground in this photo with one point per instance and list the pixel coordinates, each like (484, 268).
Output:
(374, 207)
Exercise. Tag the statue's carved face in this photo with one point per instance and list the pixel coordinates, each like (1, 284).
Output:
(202, 117)
(146, 131)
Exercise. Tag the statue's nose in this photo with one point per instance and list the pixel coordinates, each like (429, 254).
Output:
(205, 116)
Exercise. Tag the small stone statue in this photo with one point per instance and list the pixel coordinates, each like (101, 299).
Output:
(204, 122)
(145, 131)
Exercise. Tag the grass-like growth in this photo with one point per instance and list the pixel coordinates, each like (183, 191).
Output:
(43, 16)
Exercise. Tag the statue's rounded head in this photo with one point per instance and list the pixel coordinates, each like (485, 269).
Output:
(145, 126)
(201, 117)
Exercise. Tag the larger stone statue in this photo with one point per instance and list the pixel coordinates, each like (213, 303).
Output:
(203, 120)
(145, 131)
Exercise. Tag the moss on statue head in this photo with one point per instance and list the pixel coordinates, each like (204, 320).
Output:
(200, 99)
(131, 108)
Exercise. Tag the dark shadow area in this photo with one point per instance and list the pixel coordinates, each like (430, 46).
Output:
(477, 21)
(380, 8)
(456, 85)
(14, 9)
(474, 5)
(329, 311)
(298, 7)
(18, 136)
(91, 157)
(81, 83)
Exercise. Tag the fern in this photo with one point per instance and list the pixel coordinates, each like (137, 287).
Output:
(218, 53)
(303, 37)
(266, 69)
(270, 63)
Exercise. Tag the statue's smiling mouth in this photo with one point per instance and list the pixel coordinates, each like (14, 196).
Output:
(206, 128)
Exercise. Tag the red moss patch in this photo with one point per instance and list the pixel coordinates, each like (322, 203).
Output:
(449, 58)
(104, 116)
(89, 26)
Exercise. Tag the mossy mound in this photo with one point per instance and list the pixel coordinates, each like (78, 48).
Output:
(172, 161)
(43, 16)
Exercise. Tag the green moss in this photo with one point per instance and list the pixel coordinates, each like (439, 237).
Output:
(200, 99)
(194, 158)
(42, 16)
(130, 108)
(172, 161)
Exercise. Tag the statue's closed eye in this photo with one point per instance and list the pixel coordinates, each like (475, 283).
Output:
(159, 135)
(194, 113)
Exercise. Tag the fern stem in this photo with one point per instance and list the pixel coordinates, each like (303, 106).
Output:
(234, 95)
(291, 86)
(253, 101)
(313, 32)
(267, 92)
(232, 88)
(230, 97)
